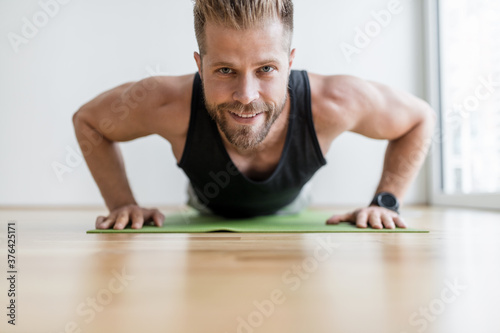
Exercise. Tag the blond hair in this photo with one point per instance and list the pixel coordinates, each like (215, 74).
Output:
(241, 15)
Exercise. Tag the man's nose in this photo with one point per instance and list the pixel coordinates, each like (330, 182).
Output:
(247, 90)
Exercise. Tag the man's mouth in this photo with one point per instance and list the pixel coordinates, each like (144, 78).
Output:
(246, 115)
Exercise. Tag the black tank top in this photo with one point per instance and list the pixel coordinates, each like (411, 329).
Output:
(217, 182)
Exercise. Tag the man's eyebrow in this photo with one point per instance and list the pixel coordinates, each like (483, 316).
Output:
(268, 61)
(228, 64)
(221, 64)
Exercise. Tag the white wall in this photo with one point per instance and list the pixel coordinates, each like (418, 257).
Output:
(91, 46)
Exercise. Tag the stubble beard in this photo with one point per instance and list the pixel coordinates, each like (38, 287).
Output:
(245, 137)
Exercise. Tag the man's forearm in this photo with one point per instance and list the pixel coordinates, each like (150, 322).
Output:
(404, 158)
(106, 165)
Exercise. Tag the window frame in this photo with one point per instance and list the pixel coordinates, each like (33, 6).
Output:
(431, 22)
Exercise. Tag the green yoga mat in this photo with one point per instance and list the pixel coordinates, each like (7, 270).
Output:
(306, 221)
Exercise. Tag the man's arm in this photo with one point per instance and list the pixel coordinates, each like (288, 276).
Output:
(380, 112)
(124, 113)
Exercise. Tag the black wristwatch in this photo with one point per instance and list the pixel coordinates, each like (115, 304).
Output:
(386, 200)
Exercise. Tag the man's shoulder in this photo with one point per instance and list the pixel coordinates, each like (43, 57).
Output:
(332, 97)
(165, 103)
(169, 89)
(337, 89)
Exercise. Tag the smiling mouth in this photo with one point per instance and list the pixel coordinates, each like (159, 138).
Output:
(246, 115)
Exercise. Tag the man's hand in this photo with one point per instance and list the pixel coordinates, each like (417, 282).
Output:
(118, 218)
(374, 216)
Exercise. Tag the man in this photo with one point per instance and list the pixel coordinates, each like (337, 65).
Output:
(248, 131)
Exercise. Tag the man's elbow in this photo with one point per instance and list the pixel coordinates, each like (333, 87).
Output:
(82, 121)
(81, 116)
(76, 118)
(428, 119)
(430, 115)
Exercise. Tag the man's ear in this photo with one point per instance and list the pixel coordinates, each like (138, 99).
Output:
(197, 58)
(290, 60)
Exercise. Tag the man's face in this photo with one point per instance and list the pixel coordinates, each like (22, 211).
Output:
(245, 79)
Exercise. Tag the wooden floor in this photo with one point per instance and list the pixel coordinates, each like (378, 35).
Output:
(447, 281)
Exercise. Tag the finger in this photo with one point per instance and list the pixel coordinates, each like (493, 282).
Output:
(121, 219)
(335, 219)
(148, 216)
(400, 222)
(374, 220)
(387, 221)
(362, 219)
(99, 220)
(153, 217)
(158, 218)
(104, 222)
(136, 217)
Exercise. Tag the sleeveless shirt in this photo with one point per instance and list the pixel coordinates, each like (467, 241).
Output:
(216, 180)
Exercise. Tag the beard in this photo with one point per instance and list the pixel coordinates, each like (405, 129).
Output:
(242, 136)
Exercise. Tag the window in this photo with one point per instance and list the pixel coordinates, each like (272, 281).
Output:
(464, 74)
(470, 95)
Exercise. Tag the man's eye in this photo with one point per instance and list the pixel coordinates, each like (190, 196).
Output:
(267, 69)
(225, 70)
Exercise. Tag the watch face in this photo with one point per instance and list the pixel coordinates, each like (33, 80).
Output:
(388, 200)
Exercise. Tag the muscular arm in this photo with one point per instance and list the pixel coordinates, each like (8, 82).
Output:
(124, 113)
(380, 112)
